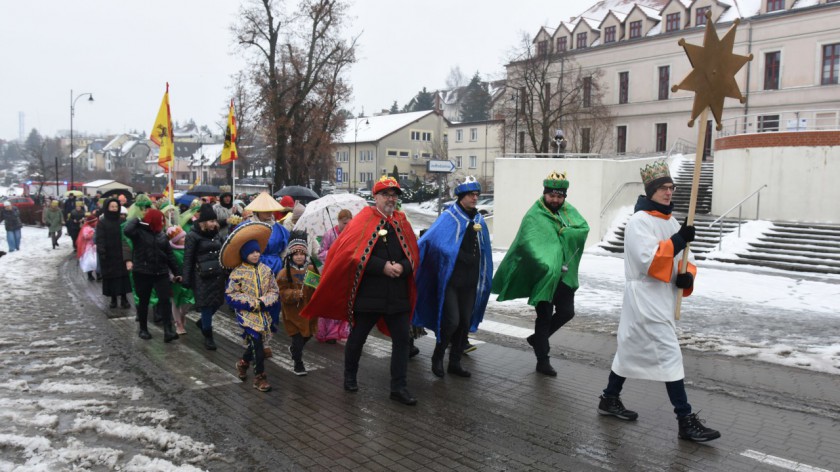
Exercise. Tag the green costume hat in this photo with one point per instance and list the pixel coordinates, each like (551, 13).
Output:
(556, 183)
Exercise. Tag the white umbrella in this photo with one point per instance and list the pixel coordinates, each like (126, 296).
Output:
(322, 214)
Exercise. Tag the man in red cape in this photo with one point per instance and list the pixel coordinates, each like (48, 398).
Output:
(369, 279)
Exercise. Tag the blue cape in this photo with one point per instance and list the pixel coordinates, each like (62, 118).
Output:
(276, 244)
(438, 253)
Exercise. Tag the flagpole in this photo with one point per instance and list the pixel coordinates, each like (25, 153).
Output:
(233, 180)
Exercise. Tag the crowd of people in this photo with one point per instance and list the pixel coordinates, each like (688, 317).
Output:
(369, 269)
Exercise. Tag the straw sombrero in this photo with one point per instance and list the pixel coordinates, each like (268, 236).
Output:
(264, 203)
(243, 233)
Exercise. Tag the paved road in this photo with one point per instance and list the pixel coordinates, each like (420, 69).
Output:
(506, 417)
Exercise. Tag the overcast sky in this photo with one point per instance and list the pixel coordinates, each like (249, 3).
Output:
(124, 52)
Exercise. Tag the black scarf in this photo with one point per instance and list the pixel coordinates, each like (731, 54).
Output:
(646, 204)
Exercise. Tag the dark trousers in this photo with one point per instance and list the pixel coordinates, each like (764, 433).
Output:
(458, 304)
(254, 352)
(551, 317)
(298, 341)
(143, 285)
(676, 393)
(398, 325)
(207, 317)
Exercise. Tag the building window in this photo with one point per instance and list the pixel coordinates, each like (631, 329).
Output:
(542, 48)
(775, 5)
(609, 34)
(587, 92)
(473, 134)
(581, 40)
(584, 140)
(635, 29)
(664, 78)
(415, 136)
(459, 135)
(473, 162)
(459, 161)
(404, 153)
(391, 152)
(562, 44)
(768, 123)
(427, 136)
(623, 86)
(831, 64)
(426, 155)
(771, 70)
(672, 22)
(621, 139)
(700, 16)
(661, 137)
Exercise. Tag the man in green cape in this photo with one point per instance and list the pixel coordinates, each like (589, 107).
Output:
(542, 264)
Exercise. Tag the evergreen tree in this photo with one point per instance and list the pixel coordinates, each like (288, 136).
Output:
(394, 108)
(424, 101)
(396, 173)
(476, 104)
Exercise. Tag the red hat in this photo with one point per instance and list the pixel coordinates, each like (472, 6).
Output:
(386, 183)
(288, 203)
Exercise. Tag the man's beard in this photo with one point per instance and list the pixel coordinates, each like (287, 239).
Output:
(553, 207)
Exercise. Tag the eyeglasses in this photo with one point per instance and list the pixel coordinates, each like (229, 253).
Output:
(388, 195)
(665, 188)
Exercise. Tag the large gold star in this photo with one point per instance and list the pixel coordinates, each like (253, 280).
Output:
(713, 75)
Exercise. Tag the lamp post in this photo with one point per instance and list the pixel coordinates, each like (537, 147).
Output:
(57, 191)
(515, 99)
(72, 114)
(355, 153)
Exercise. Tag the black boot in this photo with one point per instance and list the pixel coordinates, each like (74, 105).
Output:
(412, 349)
(209, 344)
(143, 319)
(113, 302)
(296, 350)
(169, 333)
(90, 276)
(544, 367)
(123, 302)
(437, 359)
(350, 383)
(692, 429)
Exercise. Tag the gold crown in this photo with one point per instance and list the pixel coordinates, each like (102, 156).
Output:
(653, 171)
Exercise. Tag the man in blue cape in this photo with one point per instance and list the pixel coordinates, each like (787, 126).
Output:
(453, 283)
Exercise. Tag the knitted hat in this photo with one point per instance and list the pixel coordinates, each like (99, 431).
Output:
(206, 213)
(264, 203)
(297, 242)
(176, 236)
(299, 209)
(154, 218)
(143, 201)
(386, 182)
(469, 185)
(556, 183)
(248, 248)
(654, 175)
(288, 203)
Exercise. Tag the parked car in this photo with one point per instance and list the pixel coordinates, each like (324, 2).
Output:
(364, 193)
(30, 212)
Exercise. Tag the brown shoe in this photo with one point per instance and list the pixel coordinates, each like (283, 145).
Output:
(267, 352)
(261, 384)
(242, 369)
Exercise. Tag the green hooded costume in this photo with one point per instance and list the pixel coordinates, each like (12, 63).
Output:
(544, 244)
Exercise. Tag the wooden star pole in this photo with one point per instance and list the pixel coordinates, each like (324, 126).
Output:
(712, 79)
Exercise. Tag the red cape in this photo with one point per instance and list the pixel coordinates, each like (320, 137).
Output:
(345, 265)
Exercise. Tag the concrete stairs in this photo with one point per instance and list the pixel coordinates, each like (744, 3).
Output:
(706, 238)
(683, 181)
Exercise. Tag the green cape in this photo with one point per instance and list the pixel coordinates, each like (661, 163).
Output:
(534, 263)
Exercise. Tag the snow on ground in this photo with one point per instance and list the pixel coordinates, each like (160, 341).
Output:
(64, 403)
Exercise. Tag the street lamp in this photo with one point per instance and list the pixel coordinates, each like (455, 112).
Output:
(515, 99)
(57, 191)
(355, 154)
(73, 113)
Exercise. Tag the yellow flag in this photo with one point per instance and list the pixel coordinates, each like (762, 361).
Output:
(162, 133)
(229, 150)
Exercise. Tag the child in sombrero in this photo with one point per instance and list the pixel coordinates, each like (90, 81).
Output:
(251, 291)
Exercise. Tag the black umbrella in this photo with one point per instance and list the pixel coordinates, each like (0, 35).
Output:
(116, 192)
(301, 194)
(204, 191)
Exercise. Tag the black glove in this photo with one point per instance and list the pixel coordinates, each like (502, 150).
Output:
(685, 280)
(262, 305)
(682, 237)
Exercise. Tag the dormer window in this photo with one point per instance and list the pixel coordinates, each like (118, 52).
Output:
(609, 34)
(562, 44)
(672, 22)
(542, 48)
(635, 29)
(581, 41)
(775, 5)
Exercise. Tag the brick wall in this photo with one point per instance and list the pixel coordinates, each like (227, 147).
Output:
(792, 139)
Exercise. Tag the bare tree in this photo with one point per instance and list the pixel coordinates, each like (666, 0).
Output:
(456, 78)
(297, 55)
(551, 91)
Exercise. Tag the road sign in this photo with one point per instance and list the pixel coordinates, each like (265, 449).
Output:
(339, 174)
(445, 167)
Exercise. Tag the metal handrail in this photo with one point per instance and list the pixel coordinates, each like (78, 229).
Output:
(615, 194)
(738, 206)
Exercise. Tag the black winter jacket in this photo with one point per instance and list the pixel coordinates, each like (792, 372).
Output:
(152, 254)
(109, 248)
(209, 291)
(379, 293)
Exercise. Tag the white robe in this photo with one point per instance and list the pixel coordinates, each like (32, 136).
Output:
(647, 338)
